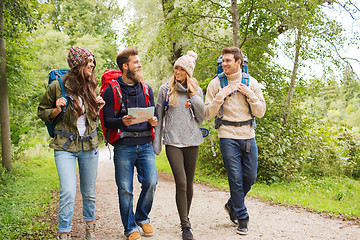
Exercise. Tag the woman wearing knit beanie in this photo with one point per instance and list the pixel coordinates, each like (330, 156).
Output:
(180, 105)
(75, 141)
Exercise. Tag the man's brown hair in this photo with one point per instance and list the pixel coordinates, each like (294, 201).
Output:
(123, 57)
(238, 54)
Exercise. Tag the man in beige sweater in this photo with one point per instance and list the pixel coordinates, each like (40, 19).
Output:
(235, 106)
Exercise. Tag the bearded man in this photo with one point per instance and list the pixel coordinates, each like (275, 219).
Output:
(134, 147)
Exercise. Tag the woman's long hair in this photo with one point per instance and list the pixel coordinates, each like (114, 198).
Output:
(82, 86)
(191, 85)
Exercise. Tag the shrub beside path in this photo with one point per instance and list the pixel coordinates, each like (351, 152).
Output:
(208, 218)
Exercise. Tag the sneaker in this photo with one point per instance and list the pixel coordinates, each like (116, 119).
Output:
(186, 234)
(148, 229)
(243, 226)
(90, 232)
(228, 208)
(134, 236)
(66, 236)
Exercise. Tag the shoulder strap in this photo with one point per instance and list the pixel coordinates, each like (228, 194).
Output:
(117, 96)
(166, 101)
(63, 91)
(245, 72)
(223, 80)
(146, 92)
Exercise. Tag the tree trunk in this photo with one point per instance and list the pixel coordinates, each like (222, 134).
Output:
(4, 99)
(168, 6)
(293, 76)
(235, 23)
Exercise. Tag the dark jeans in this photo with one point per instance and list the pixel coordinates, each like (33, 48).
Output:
(126, 158)
(241, 168)
(183, 164)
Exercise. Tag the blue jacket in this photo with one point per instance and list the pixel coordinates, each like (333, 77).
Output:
(133, 96)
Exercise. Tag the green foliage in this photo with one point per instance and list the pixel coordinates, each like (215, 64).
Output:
(26, 194)
(31, 56)
(85, 18)
(336, 196)
(19, 16)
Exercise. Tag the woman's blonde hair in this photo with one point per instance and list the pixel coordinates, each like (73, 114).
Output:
(191, 85)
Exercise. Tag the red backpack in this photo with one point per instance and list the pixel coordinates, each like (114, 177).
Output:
(109, 79)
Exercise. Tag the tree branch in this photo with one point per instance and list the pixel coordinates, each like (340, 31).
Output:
(199, 15)
(201, 36)
(248, 23)
(345, 59)
(219, 5)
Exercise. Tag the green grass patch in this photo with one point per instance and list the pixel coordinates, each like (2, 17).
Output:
(334, 196)
(27, 199)
(338, 196)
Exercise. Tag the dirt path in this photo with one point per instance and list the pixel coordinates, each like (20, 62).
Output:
(208, 218)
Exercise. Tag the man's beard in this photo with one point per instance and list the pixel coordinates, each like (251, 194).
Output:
(135, 76)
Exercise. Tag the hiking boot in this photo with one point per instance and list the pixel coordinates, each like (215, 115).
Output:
(243, 226)
(228, 208)
(186, 233)
(90, 232)
(66, 236)
(134, 236)
(148, 229)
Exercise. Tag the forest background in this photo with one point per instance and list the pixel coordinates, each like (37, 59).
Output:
(311, 128)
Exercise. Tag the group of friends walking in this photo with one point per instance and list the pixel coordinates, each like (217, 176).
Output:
(179, 110)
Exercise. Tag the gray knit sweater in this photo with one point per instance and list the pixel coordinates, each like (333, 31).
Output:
(181, 127)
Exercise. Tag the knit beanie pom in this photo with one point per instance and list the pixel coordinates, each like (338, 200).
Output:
(187, 62)
(192, 54)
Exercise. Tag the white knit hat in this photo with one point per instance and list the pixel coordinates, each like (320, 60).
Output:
(187, 62)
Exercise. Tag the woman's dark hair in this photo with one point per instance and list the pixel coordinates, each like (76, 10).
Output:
(82, 86)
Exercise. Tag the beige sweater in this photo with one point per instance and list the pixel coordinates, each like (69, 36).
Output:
(236, 109)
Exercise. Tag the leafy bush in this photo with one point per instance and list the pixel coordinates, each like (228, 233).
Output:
(302, 147)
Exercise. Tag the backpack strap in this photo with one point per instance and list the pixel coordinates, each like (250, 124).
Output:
(146, 92)
(64, 94)
(166, 101)
(223, 83)
(147, 99)
(118, 102)
(71, 137)
(223, 80)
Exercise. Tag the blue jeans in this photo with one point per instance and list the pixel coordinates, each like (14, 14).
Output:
(241, 168)
(125, 159)
(66, 167)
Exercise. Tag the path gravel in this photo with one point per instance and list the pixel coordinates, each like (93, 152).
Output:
(208, 218)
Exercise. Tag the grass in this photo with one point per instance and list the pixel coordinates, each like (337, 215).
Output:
(334, 196)
(27, 199)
